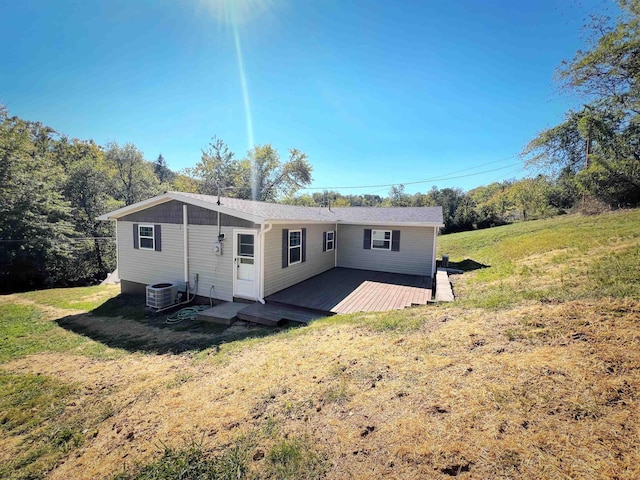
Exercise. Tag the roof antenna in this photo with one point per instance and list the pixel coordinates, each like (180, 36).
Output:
(218, 182)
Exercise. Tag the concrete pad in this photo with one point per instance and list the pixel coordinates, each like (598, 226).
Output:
(223, 314)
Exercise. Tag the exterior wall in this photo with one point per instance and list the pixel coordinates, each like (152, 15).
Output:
(212, 269)
(133, 288)
(171, 212)
(414, 258)
(148, 266)
(144, 267)
(277, 278)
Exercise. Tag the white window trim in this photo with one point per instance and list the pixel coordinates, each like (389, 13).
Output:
(152, 237)
(332, 241)
(384, 233)
(295, 246)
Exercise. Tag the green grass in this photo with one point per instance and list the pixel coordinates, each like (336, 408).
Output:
(28, 400)
(31, 406)
(558, 259)
(24, 331)
(286, 458)
(79, 298)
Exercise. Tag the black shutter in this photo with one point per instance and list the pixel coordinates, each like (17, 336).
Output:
(304, 244)
(324, 241)
(335, 239)
(395, 240)
(136, 237)
(157, 238)
(285, 248)
(367, 239)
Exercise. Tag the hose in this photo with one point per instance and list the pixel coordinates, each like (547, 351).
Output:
(188, 313)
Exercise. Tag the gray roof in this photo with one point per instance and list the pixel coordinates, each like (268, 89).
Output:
(261, 212)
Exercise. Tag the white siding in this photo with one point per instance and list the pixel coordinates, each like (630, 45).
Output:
(277, 278)
(212, 269)
(414, 258)
(148, 266)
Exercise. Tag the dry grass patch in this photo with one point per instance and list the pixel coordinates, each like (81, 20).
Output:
(456, 396)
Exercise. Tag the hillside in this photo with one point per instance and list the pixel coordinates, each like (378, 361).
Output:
(533, 373)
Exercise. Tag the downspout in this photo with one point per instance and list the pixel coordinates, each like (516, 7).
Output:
(185, 234)
(433, 253)
(335, 246)
(118, 253)
(261, 237)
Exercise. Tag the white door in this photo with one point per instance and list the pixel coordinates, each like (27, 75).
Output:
(244, 261)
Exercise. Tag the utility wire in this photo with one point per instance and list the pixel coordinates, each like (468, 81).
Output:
(72, 239)
(430, 180)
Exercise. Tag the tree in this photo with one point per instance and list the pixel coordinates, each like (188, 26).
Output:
(134, 179)
(162, 171)
(87, 188)
(266, 178)
(610, 70)
(397, 197)
(530, 196)
(216, 168)
(35, 227)
(601, 141)
(449, 199)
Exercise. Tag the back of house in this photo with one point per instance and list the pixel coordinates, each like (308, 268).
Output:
(227, 248)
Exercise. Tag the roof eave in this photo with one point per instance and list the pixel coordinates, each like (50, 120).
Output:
(276, 221)
(136, 207)
(166, 197)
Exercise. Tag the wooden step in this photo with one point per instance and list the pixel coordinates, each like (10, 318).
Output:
(272, 315)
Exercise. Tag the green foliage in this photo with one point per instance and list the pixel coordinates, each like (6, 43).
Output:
(35, 226)
(134, 178)
(260, 176)
(602, 141)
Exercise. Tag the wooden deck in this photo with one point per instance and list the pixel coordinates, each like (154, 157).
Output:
(345, 290)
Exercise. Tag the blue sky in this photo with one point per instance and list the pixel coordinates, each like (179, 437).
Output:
(375, 92)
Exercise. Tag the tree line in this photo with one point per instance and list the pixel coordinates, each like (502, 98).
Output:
(486, 206)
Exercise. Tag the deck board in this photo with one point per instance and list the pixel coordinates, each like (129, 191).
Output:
(345, 290)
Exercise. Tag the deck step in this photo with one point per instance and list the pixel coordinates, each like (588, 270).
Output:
(224, 313)
(272, 315)
(444, 292)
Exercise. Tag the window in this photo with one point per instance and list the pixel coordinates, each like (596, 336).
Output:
(381, 239)
(146, 237)
(245, 245)
(329, 241)
(295, 246)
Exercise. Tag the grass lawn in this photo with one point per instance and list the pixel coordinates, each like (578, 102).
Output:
(532, 373)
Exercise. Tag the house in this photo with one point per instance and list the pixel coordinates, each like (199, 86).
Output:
(242, 249)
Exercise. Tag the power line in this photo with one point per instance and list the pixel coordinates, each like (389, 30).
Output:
(430, 180)
(58, 240)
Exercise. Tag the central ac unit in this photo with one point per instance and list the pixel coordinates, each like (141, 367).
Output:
(162, 295)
